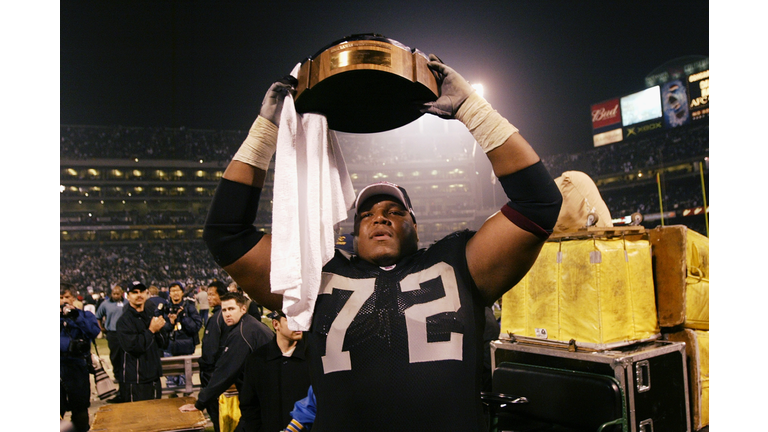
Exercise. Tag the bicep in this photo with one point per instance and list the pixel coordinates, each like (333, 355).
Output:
(251, 272)
(499, 255)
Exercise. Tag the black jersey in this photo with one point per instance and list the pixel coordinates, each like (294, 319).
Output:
(400, 348)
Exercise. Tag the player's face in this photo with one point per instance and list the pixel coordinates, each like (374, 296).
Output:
(213, 297)
(386, 231)
(175, 293)
(232, 312)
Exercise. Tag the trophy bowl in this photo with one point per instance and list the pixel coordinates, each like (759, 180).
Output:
(365, 83)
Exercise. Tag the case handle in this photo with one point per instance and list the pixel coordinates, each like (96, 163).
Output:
(645, 426)
(643, 376)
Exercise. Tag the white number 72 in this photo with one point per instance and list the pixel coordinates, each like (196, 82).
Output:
(419, 349)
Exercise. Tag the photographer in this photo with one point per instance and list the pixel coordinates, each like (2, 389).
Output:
(183, 323)
(77, 331)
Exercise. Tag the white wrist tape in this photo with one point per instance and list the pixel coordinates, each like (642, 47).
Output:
(259, 145)
(488, 127)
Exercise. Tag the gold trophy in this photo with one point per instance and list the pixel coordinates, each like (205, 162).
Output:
(365, 83)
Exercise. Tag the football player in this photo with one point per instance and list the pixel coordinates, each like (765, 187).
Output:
(397, 331)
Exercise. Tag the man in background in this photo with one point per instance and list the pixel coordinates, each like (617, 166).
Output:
(214, 336)
(246, 334)
(77, 330)
(155, 299)
(275, 377)
(183, 324)
(142, 337)
(108, 312)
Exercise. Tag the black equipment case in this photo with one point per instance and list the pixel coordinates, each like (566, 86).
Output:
(652, 376)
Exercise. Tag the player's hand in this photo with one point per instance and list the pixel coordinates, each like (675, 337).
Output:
(454, 90)
(187, 408)
(272, 105)
(156, 324)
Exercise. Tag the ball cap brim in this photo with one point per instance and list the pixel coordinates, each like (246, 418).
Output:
(385, 188)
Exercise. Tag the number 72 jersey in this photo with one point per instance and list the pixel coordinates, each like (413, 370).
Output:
(399, 349)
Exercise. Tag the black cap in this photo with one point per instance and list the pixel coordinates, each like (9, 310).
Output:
(136, 286)
(385, 188)
(276, 314)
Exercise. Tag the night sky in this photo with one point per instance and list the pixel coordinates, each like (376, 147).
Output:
(207, 65)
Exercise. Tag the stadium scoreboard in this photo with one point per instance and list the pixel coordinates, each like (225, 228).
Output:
(676, 95)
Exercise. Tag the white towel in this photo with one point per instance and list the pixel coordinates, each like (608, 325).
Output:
(312, 193)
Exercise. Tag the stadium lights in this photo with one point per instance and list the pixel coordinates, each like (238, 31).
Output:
(478, 88)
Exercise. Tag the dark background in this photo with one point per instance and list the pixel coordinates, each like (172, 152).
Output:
(207, 64)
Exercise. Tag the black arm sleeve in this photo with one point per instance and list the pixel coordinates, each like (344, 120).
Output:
(534, 194)
(229, 232)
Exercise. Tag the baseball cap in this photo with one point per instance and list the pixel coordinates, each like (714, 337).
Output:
(276, 314)
(385, 188)
(136, 286)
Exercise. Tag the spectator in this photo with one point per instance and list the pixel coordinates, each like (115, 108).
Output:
(246, 334)
(155, 299)
(254, 309)
(213, 338)
(108, 313)
(183, 324)
(142, 338)
(275, 377)
(77, 330)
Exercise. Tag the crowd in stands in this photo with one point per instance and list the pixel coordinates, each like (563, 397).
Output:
(632, 155)
(133, 217)
(87, 142)
(120, 142)
(98, 268)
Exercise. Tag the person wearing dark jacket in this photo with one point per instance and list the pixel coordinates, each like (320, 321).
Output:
(246, 334)
(142, 338)
(275, 377)
(183, 324)
(77, 330)
(214, 336)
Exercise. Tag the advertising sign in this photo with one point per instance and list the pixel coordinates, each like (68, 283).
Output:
(609, 137)
(605, 115)
(698, 89)
(606, 123)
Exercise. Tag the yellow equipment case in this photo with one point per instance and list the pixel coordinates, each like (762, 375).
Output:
(593, 286)
(681, 276)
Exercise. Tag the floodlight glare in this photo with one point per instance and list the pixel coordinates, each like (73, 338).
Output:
(478, 88)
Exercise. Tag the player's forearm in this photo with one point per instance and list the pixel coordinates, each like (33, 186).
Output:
(512, 156)
(534, 198)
